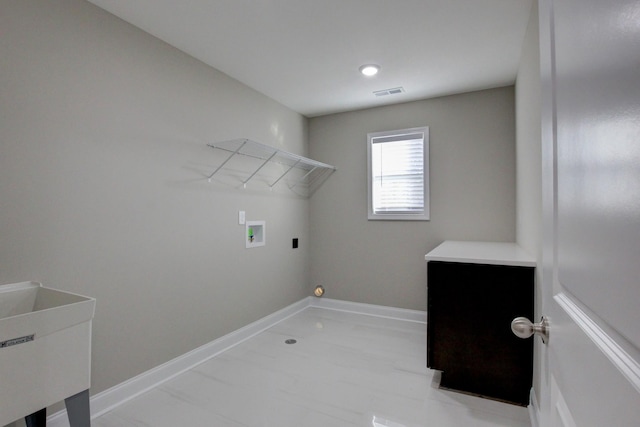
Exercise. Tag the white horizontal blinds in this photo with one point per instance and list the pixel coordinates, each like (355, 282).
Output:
(398, 174)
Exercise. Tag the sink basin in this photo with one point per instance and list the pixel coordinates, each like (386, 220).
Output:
(45, 347)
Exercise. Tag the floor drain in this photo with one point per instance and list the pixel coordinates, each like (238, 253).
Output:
(290, 341)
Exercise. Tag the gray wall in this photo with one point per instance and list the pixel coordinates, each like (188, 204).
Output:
(529, 161)
(528, 143)
(472, 160)
(102, 190)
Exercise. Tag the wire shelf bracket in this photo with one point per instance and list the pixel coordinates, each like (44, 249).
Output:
(311, 171)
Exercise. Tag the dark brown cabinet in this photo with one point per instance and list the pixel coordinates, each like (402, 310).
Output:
(469, 338)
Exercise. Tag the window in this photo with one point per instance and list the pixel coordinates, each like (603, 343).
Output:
(398, 174)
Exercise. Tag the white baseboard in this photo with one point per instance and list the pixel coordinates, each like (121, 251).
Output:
(370, 309)
(128, 390)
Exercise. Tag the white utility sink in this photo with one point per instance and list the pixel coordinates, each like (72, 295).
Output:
(45, 347)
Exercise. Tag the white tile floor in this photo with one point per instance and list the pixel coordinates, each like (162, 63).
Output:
(345, 370)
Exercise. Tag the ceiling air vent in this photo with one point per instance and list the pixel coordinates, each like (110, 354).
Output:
(392, 91)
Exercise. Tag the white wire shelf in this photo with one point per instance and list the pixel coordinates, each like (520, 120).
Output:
(297, 171)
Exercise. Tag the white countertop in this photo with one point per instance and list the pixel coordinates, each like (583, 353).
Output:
(481, 253)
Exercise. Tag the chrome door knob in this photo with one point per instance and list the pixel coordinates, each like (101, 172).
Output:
(523, 328)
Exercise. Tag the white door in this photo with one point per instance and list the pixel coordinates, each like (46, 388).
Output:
(590, 63)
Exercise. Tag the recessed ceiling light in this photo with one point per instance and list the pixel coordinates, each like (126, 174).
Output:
(369, 69)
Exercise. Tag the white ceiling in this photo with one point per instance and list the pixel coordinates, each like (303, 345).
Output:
(306, 53)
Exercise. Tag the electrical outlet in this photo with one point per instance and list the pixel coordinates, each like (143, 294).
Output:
(294, 244)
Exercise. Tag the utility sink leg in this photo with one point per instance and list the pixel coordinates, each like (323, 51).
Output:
(78, 409)
(37, 419)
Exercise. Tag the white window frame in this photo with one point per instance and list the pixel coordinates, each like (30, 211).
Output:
(397, 135)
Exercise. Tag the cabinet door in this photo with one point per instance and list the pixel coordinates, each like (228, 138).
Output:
(469, 338)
